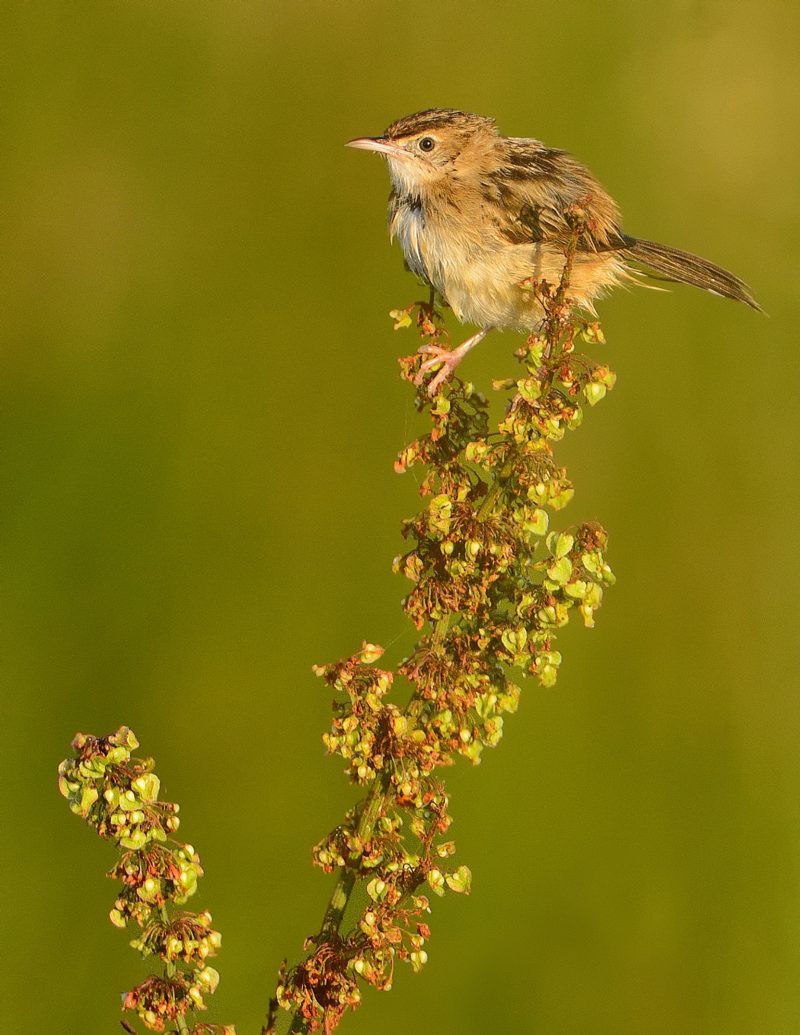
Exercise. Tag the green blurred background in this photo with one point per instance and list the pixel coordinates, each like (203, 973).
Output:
(200, 410)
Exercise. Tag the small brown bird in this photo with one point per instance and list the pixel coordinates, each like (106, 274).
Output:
(478, 214)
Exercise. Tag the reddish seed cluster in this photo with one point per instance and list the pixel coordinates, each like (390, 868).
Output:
(117, 795)
(491, 584)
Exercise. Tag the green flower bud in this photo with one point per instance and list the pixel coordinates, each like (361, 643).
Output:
(376, 889)
(116, 918)
(89, 796)
(150, 890)
(135, 840)
(128, 801)
(208, 978)
(147, 786)
(418, 960)
(435, 880)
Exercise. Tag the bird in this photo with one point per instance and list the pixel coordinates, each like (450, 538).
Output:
(480, 216)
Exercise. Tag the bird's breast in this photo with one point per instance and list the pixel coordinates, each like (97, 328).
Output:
(482, 276)
(434, 248)
(469, 270)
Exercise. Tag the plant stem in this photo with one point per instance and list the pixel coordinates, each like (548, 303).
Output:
(298, 1023)
(379, 793)
(171, 970)
(337, 905)
(490, 498)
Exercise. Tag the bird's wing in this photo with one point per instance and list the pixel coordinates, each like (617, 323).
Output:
(542, 193)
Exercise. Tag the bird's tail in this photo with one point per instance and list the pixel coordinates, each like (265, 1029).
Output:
(686, 268)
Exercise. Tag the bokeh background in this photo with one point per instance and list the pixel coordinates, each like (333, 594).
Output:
(200, 410)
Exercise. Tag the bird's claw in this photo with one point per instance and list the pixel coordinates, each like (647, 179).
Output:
(448, 359)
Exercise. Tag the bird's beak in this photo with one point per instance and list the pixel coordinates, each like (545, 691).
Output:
(379, 144)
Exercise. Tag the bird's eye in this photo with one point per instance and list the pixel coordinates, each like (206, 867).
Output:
(426, 144)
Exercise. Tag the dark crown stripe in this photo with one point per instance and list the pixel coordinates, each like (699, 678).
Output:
(436, 118)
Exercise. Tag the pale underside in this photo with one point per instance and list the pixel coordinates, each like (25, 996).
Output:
(482, 276)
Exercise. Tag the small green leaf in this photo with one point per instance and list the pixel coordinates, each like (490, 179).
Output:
(529, 388)
(560, 570)
(460, 881)
(436, 881)
(538, 521)
(563, 544)
(594, 392)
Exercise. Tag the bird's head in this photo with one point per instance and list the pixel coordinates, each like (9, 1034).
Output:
(425, 149)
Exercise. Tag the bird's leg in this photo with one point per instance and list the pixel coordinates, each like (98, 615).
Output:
(448, 359)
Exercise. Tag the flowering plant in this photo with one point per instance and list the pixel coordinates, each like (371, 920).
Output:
(491, 584)
(117, 795)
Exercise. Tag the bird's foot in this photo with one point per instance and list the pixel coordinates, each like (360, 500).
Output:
(438, 356)
(446, 359)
